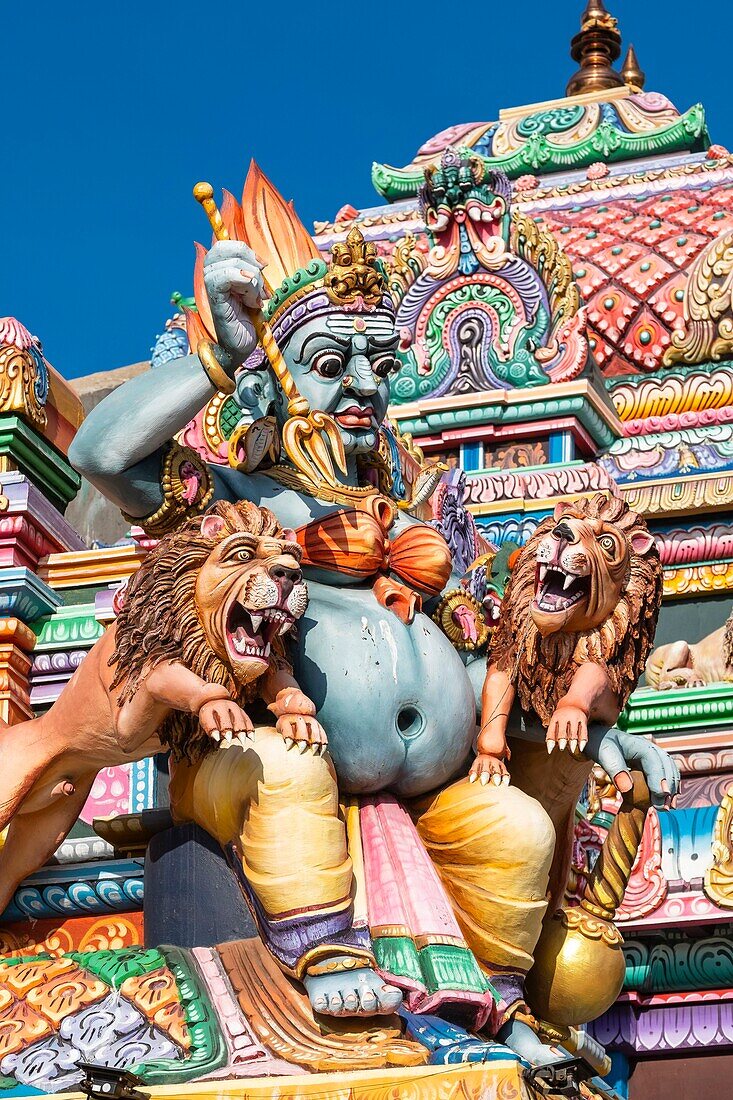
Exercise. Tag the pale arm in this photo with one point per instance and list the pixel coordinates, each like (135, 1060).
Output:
(117, 447)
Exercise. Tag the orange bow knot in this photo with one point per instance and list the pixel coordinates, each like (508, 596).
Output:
(356, 542)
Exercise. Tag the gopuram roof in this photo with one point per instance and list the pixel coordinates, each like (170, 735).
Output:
(632, 189)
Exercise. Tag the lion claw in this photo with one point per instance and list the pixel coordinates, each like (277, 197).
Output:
(289, 742)
(562, 744)
(215, 735)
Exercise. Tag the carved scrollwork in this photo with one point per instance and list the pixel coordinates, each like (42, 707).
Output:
(707, 332)
(718, 884)
(541, 249)
(23, 383)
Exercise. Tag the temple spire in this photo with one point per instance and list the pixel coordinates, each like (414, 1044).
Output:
(596, 46)
(632, 72)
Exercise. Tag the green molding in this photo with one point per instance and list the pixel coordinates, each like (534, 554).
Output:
(497, 413)
(649, 711)
(608, 142)
(116, 965)
(67, 628)
(39, 461)
(208, 1048)
(668, 965)
(303, 277)
(665, 373)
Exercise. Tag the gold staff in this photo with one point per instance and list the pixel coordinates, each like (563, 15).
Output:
(310, 439)
(297, 404)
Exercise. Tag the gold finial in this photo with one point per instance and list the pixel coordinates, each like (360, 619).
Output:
(632, 72)
(596, 46)
(204, 193)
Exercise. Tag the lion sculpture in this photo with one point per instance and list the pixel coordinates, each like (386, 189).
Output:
(693, 664)
(199, 637)
(576, 625)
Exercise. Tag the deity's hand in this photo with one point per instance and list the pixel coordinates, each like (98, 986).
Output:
(618, 752)
(568, 728)
(485, 768)
(235, 286)
(222, 720)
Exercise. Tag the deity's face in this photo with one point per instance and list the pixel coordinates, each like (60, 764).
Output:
(341, 364)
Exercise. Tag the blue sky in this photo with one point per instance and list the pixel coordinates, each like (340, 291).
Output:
(111, 112)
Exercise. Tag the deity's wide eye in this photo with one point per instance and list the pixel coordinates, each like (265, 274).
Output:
(384, 365)
(329, 364)
(243, 555)
(607, 543)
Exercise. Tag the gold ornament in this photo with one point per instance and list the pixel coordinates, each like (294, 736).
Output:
(707, 332)
(443, 616)
(579, 961)
(355, 272)
(213, 369)
(718, 884)
(187, 489)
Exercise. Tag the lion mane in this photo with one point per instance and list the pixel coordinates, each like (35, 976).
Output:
(542, 668)
(158, 621)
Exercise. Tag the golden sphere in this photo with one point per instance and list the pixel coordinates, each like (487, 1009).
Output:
(578, 970)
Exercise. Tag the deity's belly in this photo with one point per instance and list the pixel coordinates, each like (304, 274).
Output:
(395, 700)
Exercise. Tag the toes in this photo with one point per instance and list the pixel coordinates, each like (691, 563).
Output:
(390, 998)
(369, 1000)
(335, 1004)
(351, 1002)
(320, 1003)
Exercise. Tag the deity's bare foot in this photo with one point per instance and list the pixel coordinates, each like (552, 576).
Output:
(520, 1038)
(358, 992)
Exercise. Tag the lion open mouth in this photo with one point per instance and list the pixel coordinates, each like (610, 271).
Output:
(250, 633)
(558, 590)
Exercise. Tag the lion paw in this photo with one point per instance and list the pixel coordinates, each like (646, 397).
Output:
(224, 721)
(568, 728)
(304, 731)
(487, 769)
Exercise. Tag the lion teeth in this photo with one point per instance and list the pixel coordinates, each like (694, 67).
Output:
(287, 625)
(569, 578)
(543, 570)
(256, 622)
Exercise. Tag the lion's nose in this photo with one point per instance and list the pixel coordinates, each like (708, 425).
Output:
(565, 532)
(286, 577)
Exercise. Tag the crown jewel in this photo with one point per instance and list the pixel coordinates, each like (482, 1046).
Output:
(355, 274)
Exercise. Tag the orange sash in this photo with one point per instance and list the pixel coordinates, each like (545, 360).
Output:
(356, 542)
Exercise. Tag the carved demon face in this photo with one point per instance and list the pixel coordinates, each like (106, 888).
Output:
(341, 364)
(249, 590)
(582, 567)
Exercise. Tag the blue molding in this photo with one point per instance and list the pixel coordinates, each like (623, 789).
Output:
(85, 889)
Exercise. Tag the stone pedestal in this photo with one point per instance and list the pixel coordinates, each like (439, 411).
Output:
(191, 896)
